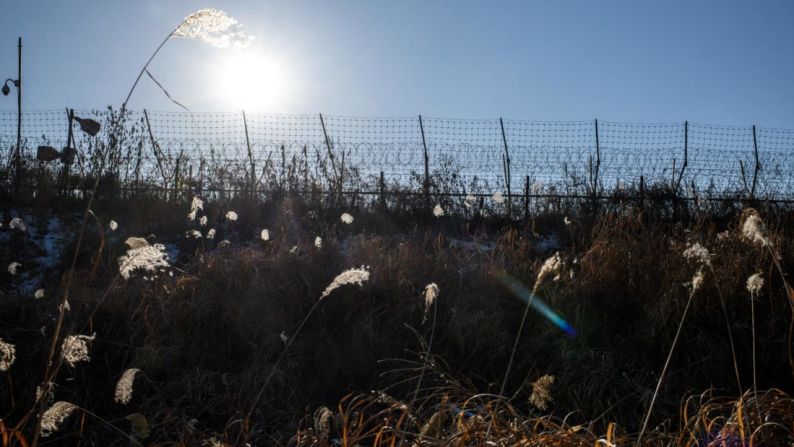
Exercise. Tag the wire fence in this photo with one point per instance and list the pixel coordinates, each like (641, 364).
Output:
(219, 150)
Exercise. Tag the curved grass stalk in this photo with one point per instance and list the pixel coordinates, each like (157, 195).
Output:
(664, 369)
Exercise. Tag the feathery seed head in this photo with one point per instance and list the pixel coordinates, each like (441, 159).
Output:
(498, 198)
(142, 256)
(74, 349)
(124, 386)
(431, 293)
(755, 283)
(541, 392)
(113, 225)
(38, 294)
(12, 268)
(551, 266)
(264, 235)
(351, 276)
(54, 416)
(318, 242)
(231, 215)
(193, 234)
(17, 224)
(697, 280)
(211, 234)
(347, 218)
(698, 253)
(214, 27)
(753, 228)
(196, 205)
(7, 355)
(438, 211)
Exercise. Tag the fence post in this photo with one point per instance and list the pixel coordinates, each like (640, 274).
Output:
(155, 149)
(382, 191)
(757, 164)
(427, 161)
(250, 156)
(526, 198)
(598, 160)
(69, 144)
(686, 155)
(506, 167)
(330, 153)
(175, 194)
(642, 192)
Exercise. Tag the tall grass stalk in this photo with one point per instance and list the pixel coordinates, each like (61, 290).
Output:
(666, 365)
(728, 326)
(427, 357)
(351, 276)
(274, 368)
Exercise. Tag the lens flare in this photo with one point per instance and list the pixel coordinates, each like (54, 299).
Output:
(518, 289)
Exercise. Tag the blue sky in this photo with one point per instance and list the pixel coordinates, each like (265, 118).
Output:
(727, 62)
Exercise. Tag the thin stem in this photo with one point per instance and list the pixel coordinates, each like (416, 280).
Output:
(730, 332)
(145, 66)
(510, 362)
(515, 345)
(427, 356)
(278, 361)
(664, 369)
(755, 380)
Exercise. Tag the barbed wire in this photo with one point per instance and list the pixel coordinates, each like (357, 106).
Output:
(464, 154)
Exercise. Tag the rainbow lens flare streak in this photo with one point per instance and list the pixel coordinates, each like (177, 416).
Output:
(518, 289)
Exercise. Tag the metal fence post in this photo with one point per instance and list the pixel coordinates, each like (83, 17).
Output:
(757, 164)
(598, 160)
(155, 148)
(330, 154)
(686, 155)
(70, 145)
(427, 161)
(250, 156)
(382, 188)
(506, 167)
(526, 198)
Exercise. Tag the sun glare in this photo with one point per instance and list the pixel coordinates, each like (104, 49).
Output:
(251, 80)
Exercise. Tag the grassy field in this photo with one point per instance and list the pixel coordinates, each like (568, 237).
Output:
(640, 319)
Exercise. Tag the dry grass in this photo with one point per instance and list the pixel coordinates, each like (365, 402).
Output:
(206, 339)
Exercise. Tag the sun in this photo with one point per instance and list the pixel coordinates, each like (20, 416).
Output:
(251, 80)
